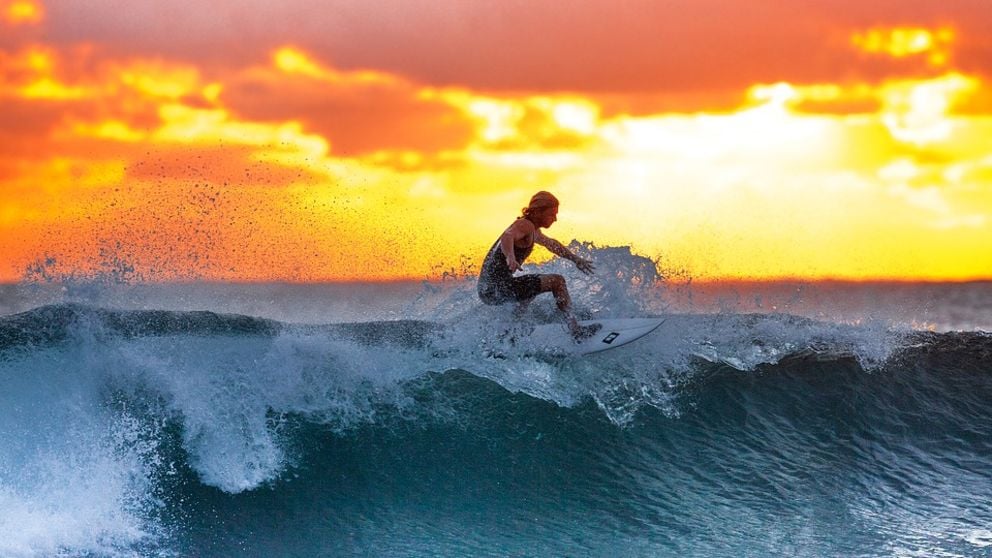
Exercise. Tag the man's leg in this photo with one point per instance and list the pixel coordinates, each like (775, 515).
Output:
(556, 285)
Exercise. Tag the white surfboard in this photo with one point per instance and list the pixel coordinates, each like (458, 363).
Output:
(555, 338)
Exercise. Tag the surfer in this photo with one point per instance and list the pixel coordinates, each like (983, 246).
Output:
(498, 285)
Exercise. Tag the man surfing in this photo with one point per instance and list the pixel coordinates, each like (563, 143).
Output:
(498, 285)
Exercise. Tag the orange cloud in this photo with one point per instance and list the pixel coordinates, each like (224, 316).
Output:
(358, 112)
(680, 50)
(24, 126)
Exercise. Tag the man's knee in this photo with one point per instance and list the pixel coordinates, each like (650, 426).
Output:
(554, 282)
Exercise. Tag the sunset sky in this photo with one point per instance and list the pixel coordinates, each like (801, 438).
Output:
(305, 140)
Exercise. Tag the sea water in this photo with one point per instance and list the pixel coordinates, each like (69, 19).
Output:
(766, 419)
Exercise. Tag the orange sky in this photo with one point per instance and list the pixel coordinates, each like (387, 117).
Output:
(314, 141)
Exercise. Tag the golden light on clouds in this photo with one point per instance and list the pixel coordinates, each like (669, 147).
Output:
(283, 165)
(900, 42)
(291, 60)
(22, 12)
(919, 111)
(160, 81)
(31, 74)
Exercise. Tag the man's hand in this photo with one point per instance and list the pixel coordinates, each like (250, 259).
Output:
(584, 265)
(513, 264)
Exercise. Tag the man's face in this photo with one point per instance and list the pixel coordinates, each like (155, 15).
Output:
(547, 216)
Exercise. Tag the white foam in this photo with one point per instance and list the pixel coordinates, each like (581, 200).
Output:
(649, 371)
(225, 391)
(74, 479)
(981, 538)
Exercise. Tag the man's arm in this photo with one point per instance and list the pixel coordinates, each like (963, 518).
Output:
(559, 249)
(514, 232)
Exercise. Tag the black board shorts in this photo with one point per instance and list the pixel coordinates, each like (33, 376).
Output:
(510, 289)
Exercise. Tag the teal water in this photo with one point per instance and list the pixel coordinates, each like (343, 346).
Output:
(163, 433)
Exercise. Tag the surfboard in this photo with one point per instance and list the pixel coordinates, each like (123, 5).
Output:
(615, 332)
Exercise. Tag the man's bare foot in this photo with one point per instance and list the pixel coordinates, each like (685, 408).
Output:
(581, 332)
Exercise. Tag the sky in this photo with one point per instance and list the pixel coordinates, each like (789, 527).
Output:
(306, 140)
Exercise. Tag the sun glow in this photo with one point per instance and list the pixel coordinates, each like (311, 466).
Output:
(577, 115)
(499, 118)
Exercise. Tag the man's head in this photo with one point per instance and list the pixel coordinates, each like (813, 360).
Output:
(542, 209)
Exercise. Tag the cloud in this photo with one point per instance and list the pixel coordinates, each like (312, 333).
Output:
(700, 46)
(358, 112)
(24, 125)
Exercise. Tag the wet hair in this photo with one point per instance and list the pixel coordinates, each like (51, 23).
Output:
(539, 201)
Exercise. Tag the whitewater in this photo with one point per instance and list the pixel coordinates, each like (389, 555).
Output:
(215, 420)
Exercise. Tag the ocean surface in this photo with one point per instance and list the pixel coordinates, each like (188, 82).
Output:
(763, 419)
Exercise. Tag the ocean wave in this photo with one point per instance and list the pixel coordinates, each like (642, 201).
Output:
(116, 419)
